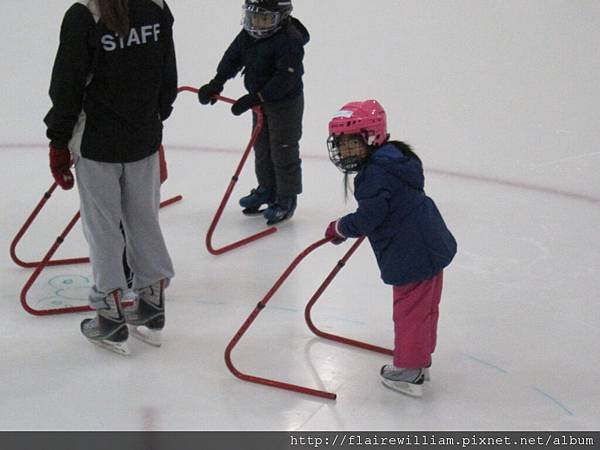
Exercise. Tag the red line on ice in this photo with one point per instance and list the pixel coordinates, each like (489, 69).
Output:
(449, 173)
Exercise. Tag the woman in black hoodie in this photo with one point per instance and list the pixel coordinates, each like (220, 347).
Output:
(113, 84)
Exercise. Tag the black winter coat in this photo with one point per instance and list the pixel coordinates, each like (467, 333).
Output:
(271, 66)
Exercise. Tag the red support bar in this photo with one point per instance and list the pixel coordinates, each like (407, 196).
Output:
(343, 340)
(230, 187)
(259, 307)
(170, 201)
(45, 262)
(31, 219)
(25, 227)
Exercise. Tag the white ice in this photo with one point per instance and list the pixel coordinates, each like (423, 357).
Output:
(502, 102)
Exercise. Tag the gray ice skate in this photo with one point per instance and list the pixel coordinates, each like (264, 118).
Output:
(146, 318)
(405, 381)
(108, 329)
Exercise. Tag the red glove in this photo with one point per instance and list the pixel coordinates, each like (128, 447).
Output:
(332, 232)
(162, 164)
(60, 166)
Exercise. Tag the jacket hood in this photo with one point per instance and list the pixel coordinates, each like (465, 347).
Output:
(298, 31)
(394, 160)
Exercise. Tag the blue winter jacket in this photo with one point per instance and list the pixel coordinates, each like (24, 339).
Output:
(406, 231)
(272, 66)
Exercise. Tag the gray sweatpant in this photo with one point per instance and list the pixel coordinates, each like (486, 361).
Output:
(113, 193)
(276, 151)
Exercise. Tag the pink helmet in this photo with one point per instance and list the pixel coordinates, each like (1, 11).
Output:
(367, 118)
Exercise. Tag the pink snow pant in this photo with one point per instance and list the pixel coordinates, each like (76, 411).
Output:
(416, 311)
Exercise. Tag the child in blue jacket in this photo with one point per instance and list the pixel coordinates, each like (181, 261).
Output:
(269, 51)
(411, 242)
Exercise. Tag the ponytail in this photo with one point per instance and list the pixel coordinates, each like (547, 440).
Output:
(347, 186)
(406, 149)
(115, 15)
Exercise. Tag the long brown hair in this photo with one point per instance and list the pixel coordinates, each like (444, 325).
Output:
(115, 15)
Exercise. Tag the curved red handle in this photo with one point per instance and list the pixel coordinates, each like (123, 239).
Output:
(257, 129)
(218, 97)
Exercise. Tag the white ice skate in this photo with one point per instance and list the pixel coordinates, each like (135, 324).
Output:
(146, 318)
(108, 329)
(146, 335)
(405, 381)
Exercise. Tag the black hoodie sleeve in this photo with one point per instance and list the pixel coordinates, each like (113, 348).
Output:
(168, 90)
(72, 66)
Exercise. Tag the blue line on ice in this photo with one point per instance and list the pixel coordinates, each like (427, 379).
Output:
(556, 402)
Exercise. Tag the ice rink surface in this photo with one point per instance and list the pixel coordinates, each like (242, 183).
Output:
(501, 101)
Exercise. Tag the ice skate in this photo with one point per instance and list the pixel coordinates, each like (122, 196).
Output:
(253, 202)
(146, 318)
(108, 329)
(282, 209)
(405, 381)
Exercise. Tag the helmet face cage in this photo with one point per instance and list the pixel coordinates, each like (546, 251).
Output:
(263, 18)
(347, 152)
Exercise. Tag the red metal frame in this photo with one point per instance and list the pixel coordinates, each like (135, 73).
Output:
(25, 227)
(259, 307)
(343, 340)
(234, 179)
(46, 261)
(57, 262)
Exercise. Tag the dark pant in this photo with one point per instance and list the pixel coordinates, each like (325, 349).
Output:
(277, 150)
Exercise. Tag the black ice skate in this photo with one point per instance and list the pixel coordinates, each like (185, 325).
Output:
(108, 329)
(405, 381)
(253, 202)
(146, 318)
(282, 209)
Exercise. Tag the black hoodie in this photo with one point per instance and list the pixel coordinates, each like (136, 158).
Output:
(110, 94)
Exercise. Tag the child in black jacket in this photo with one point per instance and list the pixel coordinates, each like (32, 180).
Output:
(269, 50)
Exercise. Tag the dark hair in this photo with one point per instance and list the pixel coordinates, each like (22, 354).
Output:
(115, 15)
(347, 187)
(401, 146)
(406, 149)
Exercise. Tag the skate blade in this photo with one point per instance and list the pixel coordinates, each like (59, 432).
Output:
(120, 348)
(146, 335)
(273, 222)
(410, 389)
(253, 212)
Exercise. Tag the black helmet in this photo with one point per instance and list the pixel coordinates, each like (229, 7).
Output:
(262, 18)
